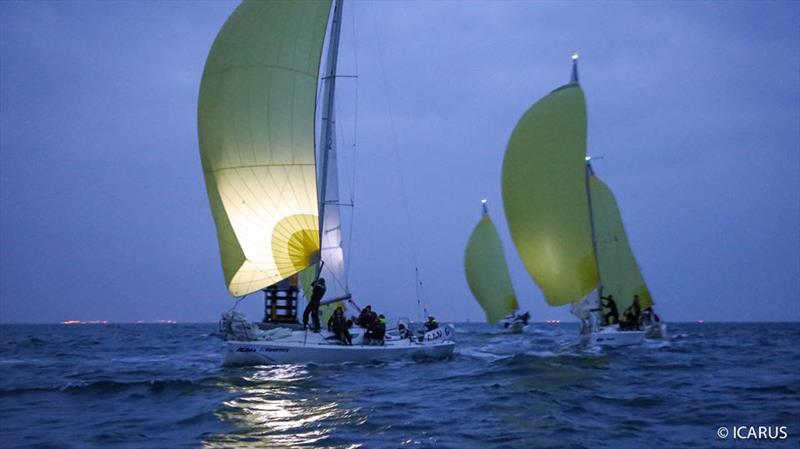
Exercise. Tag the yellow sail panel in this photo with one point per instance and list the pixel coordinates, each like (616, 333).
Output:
(619, 272)
(487, 273)
(544, 194)
(256, 130)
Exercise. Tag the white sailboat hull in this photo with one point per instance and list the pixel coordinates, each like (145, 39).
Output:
(613, 337)
(309, 347)
(514, 323)
(656, 331)
(512, 328)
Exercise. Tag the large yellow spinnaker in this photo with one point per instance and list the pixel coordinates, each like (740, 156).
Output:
(487, 273)
(619, 271)
(256, 128)
(544, 194)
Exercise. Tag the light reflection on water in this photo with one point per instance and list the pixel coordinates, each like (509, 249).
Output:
(272, 409)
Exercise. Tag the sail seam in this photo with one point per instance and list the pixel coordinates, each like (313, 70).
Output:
(215, 170)
(265, 66)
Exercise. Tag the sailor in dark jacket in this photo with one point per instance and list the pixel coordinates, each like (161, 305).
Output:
(431, 324)
(338, 325)
(637, 311)
(611, 305)
(313, 303)
(365, 318)
(377, 331)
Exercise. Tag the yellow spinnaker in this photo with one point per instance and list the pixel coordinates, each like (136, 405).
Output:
(545, 198)
(256, 130)
(487, 273)
(619, 271)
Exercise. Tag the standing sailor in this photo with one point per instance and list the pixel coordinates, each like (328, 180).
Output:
(637, 310)
(611, 305)
(313, 303)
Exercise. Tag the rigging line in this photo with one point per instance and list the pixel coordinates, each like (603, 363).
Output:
(341, 156)
(238, 301)
(379, 44)
(421, 307)
(355, 146)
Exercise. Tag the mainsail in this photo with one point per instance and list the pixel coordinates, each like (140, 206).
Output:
(486, 271)
(544, 194)
(618, 268)
(256, 129)
(332, 252)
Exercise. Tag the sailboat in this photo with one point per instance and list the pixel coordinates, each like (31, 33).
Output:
(271, 191)
(619, 270)
(488, 278)
(564, 220)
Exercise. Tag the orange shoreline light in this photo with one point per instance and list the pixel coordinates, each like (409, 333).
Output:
(85, 322)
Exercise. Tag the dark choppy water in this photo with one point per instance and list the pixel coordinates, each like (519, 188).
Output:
(161, 386)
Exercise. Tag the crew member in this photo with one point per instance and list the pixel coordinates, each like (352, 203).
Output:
(637, 311)
(338, 325)
(365, 317)
(613, 314)
(376, 331)
(431, 324)
(313, 303)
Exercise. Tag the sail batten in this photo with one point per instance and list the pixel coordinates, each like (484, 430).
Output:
(256, 129)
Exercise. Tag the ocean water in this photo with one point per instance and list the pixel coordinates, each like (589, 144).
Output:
(162, 386)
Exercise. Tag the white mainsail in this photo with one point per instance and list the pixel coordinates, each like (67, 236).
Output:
(332, 253)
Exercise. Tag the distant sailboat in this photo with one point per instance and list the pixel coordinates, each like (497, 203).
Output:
(488, 278)
(270, 192)
(563, 220)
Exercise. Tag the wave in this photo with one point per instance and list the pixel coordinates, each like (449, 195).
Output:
(112, 387)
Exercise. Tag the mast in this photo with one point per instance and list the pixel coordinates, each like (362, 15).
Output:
(328, 123)
(589, 173)
(574, 78)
